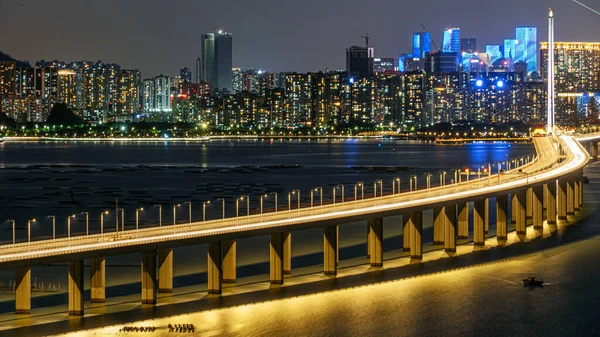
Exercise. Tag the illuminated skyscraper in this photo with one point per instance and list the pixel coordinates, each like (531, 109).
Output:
(526, 49)
(493, 52)
(510, 49)
(216, 61)
(451, 41)
(421, 44)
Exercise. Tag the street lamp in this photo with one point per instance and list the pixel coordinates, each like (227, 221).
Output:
(101, 221)
(122, 219)
(222, 206)
(275, 201)
(362, 190)
(320, 189)
(69, 225)
(53, 226)
(394, 188)
(29, 230)
(290, 199)
(87, 224)
(189, 210)
(137, 217)
(413, 177)
(175, 213)
(159, 214)
(13, 229)
(247, 205)
(204, 209)
(343, 193)
(261, 202)
(428, 176)
(380, 182)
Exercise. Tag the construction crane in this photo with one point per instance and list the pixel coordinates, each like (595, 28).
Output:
(367, 39)
(587, 7)
(432, 40)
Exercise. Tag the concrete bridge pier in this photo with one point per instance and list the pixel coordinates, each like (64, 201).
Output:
(450, 229)
(478, 225)
(438, 225)
(165, 270)
(513, 208)
(215, 268)
(594, 150)
(463, 220)
(276, 258)
(501, 219)
(229, 261)
(580, 192)
(545, 197)
(330, 250)
(376, 242)
(149, 277)
(406, 232)
(287, 253)
(23, 290)
(537, 208)
(76, 288)
(98, 280)
(550, 202)
(489, 203)
(416, 235)
(576, 195)
(519, 210)
(529, 204)
(561, 197)
(570, 197)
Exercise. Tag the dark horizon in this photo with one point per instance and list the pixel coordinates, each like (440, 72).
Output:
(160, 38)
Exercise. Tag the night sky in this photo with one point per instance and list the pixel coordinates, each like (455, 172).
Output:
(160, 36)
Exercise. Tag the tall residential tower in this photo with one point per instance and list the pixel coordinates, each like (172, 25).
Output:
(216, 59)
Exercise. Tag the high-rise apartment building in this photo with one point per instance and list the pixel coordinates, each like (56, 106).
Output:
(358, 62)
(217, 61)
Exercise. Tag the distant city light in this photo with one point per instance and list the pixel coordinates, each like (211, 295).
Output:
(479, 83)
(500, 84)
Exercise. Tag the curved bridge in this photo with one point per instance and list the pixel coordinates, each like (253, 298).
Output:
(553, 179)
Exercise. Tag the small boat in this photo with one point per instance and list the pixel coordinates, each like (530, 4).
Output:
(532, 282)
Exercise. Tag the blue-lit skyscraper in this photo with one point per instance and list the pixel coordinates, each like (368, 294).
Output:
(421, 44)
(493, 52)
(451, 40)
(527, 47)
(510, 48)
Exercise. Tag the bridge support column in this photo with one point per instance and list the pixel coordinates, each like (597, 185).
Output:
(450, 229)
(519, 211)
(438, 225)
(23, 290)
(576, 195)
(229, 261)
(98, 280)
(489, 203)
(416, 235)
(287, 253)
(561, 197)
(165, 270)
(76, 288)
(149, 277)
(545, 197)
(501, 218)
(570, 198)
(551, 202)
(513, 209)
(276, 258)
(406, 232)
(215, 268)
(529, 204)
(376, 242)
(463, 220)
(580, 193)
(594, 150)
(538, 211)
(478, 225)
(330, 250)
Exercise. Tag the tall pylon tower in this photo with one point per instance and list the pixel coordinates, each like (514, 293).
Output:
(550, 99)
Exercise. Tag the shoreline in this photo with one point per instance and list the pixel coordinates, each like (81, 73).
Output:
(274, 137)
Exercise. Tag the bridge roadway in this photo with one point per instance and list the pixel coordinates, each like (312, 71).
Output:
(169, 236)
(558, 160)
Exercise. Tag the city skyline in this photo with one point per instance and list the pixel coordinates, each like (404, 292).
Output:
(284, 50)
